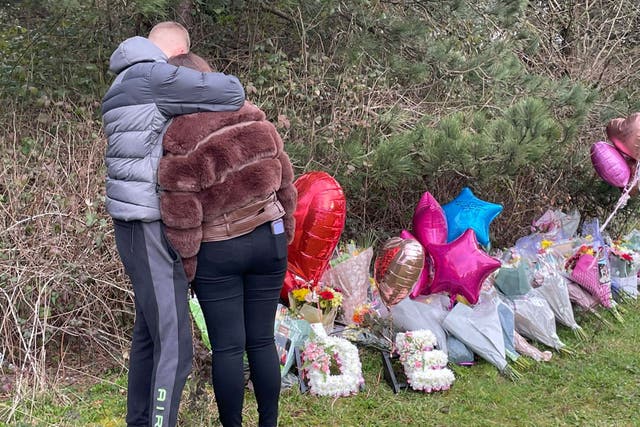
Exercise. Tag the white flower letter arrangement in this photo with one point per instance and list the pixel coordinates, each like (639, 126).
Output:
(331, 365)
(424, 366)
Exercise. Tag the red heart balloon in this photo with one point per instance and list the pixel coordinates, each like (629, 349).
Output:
(625, 135)
(320, 215)
(289, 284)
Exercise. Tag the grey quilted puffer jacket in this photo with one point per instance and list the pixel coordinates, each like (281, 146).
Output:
(145, 95)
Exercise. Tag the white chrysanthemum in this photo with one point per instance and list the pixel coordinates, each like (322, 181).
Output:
(418, 340)
(424, 367)
(346, 356)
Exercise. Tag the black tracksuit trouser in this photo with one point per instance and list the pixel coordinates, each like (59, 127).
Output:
(161, 348)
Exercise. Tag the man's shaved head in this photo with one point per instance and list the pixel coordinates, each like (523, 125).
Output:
(172, 38)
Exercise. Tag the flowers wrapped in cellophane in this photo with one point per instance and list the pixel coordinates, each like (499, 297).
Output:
(370, 329)
(556, 225)
(289, 333)
(512, 279)
(589, 268)
(624, 264)
(535, 320)
(349, 272)
(551, 284)
(423, 313)
(480, 329)
(315, 304)
(523, 347)
(198, 318)
(507, 322)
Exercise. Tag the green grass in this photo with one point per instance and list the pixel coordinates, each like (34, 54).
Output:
(599, 386)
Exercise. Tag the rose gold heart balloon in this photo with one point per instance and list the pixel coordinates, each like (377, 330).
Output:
(625, 135)
(397, 269)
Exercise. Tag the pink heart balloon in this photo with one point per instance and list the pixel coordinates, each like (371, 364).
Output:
(625, 135)
(429, 221)
(609, 164)
(460, 267)
(429, 226)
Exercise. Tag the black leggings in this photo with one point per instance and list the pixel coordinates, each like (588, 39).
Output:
(238, 284)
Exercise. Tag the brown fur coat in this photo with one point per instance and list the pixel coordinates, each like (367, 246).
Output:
(214, 163)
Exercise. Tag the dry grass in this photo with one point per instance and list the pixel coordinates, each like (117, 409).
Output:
(61, 283)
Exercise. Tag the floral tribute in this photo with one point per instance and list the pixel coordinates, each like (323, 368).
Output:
(424, 366)
(316, 304)
(622, 260)
(589, 269)
(325, 298)
(360, 312)
(624, 269)
(331, 366)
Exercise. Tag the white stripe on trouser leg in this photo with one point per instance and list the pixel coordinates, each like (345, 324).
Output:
(161, 267)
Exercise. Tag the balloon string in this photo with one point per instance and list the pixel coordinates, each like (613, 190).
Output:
(624, 198)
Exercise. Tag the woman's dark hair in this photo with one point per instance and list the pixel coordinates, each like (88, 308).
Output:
(190, 60)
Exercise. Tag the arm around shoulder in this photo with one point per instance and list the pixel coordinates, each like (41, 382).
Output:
(181, 90)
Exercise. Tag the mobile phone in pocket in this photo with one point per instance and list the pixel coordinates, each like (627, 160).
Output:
(277, 226)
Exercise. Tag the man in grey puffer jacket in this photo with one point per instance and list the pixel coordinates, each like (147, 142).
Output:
(136, 110)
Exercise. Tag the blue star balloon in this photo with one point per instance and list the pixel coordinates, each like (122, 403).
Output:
(467, 211)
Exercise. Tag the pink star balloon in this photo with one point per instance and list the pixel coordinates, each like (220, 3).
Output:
(460, 267)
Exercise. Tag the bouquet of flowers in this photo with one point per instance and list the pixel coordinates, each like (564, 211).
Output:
(508, 323)
(423, 313)
(289, 334)
(424, 366)
(572, 261)
(535, 319)
(585, 301)
(198, 318)
(556, 224)
(316, 304)
(349, 272)
(370, 329)
(523, 347)
(624, 270)
(589, 268)
(331, 365)
(479, 328)
(553, 287)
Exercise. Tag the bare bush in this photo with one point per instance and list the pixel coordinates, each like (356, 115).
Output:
(62, 292)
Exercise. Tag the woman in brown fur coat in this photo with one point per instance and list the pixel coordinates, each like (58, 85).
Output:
(227, 202)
